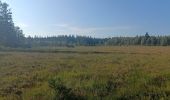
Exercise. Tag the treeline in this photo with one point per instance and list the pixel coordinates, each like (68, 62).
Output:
(72, 41)
(145, 40)
(12, 36)
(64, 40)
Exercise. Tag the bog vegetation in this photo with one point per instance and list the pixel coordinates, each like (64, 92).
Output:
(87, 73)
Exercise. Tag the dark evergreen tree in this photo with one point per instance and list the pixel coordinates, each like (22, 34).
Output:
(9, 34)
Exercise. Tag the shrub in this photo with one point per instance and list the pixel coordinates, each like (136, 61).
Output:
(62, 92)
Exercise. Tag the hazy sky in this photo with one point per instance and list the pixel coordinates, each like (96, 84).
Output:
(100, 18)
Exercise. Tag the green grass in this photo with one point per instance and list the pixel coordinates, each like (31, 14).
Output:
(111, 73)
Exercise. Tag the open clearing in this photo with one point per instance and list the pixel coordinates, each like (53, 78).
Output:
(124, 73)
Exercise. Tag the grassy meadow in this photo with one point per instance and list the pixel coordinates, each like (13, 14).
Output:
(86, 73)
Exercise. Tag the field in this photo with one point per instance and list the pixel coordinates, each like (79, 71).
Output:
(104, 73)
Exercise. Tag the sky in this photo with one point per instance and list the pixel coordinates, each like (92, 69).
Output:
(96, 18)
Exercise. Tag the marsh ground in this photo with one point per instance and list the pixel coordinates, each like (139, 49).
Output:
(121, 72)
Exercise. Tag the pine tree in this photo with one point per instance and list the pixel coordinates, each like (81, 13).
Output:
(9, 34)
